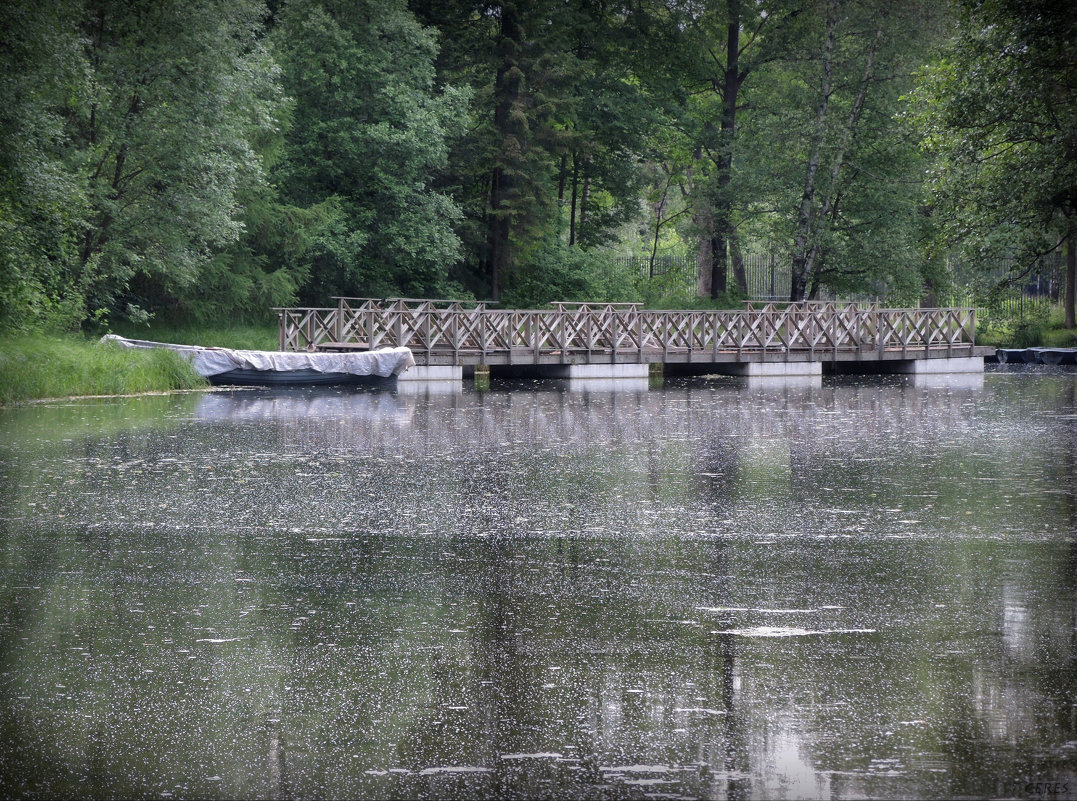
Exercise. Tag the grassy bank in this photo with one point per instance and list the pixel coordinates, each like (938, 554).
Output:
(1040, 326)
(63, 366)
(240, 335)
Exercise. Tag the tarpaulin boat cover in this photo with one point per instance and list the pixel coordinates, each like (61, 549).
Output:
(214, 361)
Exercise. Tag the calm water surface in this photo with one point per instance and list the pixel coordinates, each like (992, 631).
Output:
(706, 590)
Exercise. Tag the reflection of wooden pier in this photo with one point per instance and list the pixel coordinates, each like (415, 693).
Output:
(607, 339)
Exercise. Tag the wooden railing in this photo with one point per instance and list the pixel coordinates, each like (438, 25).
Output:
(450, 332)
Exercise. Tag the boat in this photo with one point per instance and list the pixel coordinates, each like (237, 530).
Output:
(1051, 356)
(228, 366)
(1056, 355)
(1014, 356)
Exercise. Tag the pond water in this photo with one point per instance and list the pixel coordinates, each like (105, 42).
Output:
(706, 589)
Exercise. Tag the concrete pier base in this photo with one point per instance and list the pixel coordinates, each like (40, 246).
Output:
(432, 373)
(603, 371)
(963, 364)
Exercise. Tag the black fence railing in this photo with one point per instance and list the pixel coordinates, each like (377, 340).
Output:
(767, 275)
(768, 278)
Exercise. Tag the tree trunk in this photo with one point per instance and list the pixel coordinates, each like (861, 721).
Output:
(722, 216)
(498, 234)
(572, 205)
(1071, 279)
(562, 175)
(798, 284)
(659, 210)
(929, 298)
(508, 86)
(703, 254)
(719, 264)
(585, 198)
(740, 276)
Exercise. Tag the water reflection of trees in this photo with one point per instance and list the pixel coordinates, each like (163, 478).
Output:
(454, 561)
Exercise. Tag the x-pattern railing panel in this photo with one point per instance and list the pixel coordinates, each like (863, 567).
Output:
(429, 326)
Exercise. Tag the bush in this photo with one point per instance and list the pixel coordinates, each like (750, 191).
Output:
(558, 271)
(1027, 334)
(1060, 338)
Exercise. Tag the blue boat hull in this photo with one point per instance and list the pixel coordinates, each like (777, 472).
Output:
(286, 378)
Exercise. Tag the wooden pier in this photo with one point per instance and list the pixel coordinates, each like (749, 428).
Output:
(454, 334)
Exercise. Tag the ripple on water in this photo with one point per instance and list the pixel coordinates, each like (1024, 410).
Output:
(782, 631)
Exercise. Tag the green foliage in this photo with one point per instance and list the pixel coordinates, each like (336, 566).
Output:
(1023, 323)
(836, 170)
(163, 142)
(199, 163)
(51, 367)
(369, 131)
(41, 203)
(127, 131)
(1060, 338)
(674, 289)
(559, 271)
(560, 118)
(998, 111)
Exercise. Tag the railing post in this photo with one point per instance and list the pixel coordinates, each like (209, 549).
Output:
(615, 319)
(426, 333)
(639, 338)
(562, 340)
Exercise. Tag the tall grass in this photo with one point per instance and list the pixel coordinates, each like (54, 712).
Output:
(53, 367)
(241, 336)
(1035, 323)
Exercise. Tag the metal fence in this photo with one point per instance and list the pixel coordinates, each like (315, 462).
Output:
(1040, 288)
(768, 277)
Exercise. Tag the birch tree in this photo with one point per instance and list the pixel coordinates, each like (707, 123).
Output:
(830, 141)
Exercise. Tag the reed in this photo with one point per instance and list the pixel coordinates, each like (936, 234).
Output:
(33, 367)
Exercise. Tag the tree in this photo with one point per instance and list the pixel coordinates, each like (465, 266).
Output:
(130, 134)
(370, 130)
(999, 111)
(558, 128)
(41, 202)
(163, 139)
(852, 149)
(721, 34)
